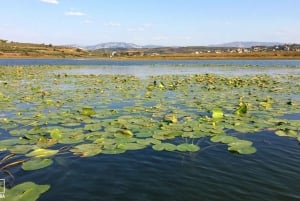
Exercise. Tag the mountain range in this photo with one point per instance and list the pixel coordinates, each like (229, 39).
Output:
(123, 45)
(246, 44)
(115, 45)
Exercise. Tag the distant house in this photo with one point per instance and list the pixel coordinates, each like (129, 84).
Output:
(113, 54)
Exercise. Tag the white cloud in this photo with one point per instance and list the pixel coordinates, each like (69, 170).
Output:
(136, 29)
(73, 13)
(141, 28)
(112, 24)
(50, 1)
(87, 22)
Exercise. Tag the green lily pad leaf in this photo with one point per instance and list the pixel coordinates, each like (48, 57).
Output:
(45, 142)
(158, 147)
(130, 146)
(223, 139)
(72, 138)
(298, 138)
(20, 149)
(88, 111)
(243, 108)
(144, 134)
(55, 134)
(86, 150)
(164, 146)
(49, 102)
(148, 141)
(241, 143)
(217, 113)
(35, 164)
(267, 104)
(42, 153)
(93, 127)
(186, 147)
(18, 132)
(281, 133)
(27, 191)
(71, 124)
(170, 118)
(292, 133)
(243, 150)
(125, 132)
(113, 151)
(242, 147)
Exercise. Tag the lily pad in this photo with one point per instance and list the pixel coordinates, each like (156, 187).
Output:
(224, 139)
(217, 113)
(242, 147)
(88, 111)
(55, 134)
(186, 147)
(35, 164)
(42, 153)
(130, 146)
(20, 149)
(86, 150)
(243, 108)
(164, 146)
(243, 150)
(27, 191)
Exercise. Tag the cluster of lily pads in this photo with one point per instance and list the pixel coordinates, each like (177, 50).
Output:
(45, 113)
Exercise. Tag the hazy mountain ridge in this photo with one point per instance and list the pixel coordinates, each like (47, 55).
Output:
(124, 45)
(113, 45)
(246, 44)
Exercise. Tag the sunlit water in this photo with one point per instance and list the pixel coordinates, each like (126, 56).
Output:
(213, 173)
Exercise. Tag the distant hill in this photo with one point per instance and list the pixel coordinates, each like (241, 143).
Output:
(12, 49)
(114, 45)
(246, 44)
(124, 45)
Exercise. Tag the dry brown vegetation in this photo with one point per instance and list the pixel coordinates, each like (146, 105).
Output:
(29, 50)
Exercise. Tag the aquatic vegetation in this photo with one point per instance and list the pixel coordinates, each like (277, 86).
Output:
(27, 191)
(44, 113)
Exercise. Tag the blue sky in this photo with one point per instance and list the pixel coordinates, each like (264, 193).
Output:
(160, 22)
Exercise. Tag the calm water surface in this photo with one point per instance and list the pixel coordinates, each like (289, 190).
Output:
(271, 174)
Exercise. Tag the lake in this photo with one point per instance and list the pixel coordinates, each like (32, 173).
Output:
(151, 130)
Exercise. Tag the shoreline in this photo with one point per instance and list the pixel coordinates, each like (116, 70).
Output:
(165, 58)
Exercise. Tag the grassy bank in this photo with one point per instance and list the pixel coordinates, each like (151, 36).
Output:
(29, 50)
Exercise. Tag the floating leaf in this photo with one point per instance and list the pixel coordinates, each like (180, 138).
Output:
(164, 146)
(42, 153)
(242, 109)
(35, 164)
(186, 147)
(86, 150)
(20, 149)
(125, 132)
(170, 118)
(217, 113)
(242, 147)
(130, 146)
(158, 147)
(223, 139)
(280, 133)
(243, 150)
(27, 191)
(88, 111)
(55, 134)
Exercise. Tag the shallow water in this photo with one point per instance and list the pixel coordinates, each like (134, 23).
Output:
(212, 174)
